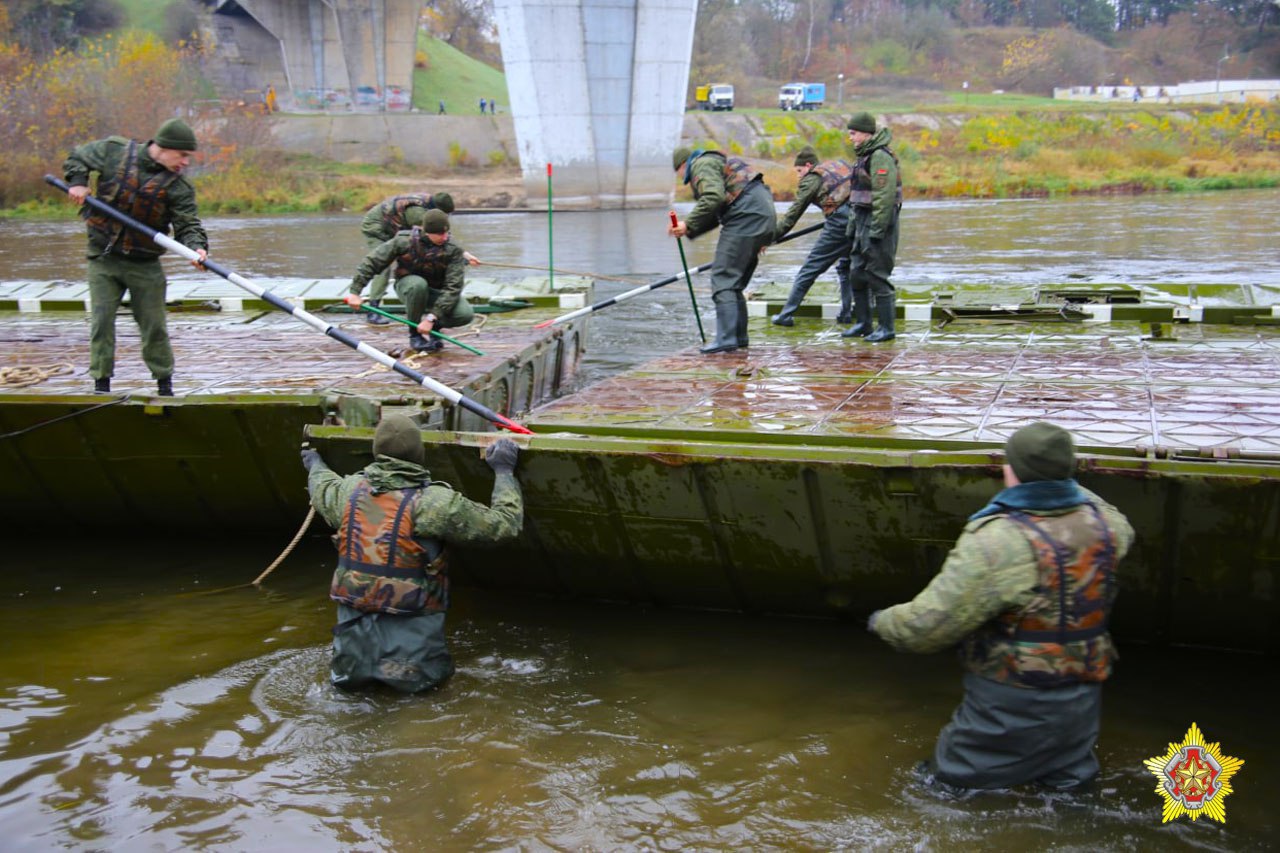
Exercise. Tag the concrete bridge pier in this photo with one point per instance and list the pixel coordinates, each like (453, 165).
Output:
(597, 91)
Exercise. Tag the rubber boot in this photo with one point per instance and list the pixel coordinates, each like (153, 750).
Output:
(862, 315)
(375, 319)
(884, 316)
(846, 304)
(726, 338)
(418, 343)
(102, 385)
(783, 317)
(740, 326)
(164, 387)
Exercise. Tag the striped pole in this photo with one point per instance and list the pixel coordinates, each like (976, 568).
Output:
(310, 319)
(631, 294)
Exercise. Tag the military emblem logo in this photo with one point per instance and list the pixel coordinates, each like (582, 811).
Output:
(1193, 778)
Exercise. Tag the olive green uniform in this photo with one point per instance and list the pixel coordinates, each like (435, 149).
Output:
(118, 265)
(408, 652)
(376, 230)
(873, 229)
(439, 293)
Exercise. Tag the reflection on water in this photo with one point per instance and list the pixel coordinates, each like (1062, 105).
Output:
(142, 708)
(152, 714)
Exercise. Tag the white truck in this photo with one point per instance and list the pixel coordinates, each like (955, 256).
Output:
(802, 96)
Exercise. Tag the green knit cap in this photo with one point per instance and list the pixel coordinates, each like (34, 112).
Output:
(443, 201)
(807, 156)
(398, 436)
(864, 122)
(435, 222)
(1041, 451)
(176, 134)
(681, 154)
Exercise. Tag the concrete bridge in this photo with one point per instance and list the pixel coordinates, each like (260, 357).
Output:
(597, 87)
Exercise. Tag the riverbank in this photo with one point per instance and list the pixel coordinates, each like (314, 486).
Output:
(944, 152)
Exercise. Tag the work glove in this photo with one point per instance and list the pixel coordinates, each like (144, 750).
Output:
(501, 456)
(871, 621)
(310, 458)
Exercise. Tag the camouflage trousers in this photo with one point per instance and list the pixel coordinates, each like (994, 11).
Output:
(406, 653)
(1003, 735)
(419, 298)
(110, 277)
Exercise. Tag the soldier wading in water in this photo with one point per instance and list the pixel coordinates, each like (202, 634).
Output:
(392, 581)
(1027, 592)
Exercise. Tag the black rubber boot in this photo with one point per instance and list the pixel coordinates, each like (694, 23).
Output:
(375, 319)
(862, 314)
(885, 317)
(418, 343)
(164, 387)
(726, 339)
(102, 385)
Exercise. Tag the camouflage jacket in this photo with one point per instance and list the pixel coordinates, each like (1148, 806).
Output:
(991, 571)
(103, 158)
(815, 188)
(450, 285)
(398, 213)
(440, 512)
(716, 181)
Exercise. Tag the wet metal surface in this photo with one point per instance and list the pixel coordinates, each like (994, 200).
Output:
(1213, 387)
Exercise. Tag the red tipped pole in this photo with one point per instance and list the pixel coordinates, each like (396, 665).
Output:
(688, 280)
(551, 246)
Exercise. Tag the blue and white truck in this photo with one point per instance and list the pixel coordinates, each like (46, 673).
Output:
(802, 96)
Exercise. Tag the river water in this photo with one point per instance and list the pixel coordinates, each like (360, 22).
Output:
(143, 705)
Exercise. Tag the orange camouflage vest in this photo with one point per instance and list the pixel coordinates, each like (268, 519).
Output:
(738, 174)
(836, 185)
(382, 566)
(393, 209)
(144, 201)
(861, 189)
(1061, 636)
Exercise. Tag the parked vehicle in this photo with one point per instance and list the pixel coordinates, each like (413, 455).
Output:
(713, 96)
(802, 96)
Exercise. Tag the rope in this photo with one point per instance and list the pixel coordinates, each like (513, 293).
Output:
(124, 398)
(560, 271)
(31, 374)
(297, 537)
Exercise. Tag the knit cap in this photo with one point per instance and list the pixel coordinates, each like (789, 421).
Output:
(1041, 451)
(681, 154)
(864, 122)
(435, 222)
(176, 134)
(398, 436)
(443, 201)
(807, 156)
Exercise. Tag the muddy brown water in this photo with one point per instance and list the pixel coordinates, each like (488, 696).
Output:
(144, 706)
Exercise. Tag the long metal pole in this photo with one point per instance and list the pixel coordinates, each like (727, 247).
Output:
(631, 294)
(310, 319)
(684, 263)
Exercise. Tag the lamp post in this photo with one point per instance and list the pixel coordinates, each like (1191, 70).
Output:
(1217, 84)
(840, 89)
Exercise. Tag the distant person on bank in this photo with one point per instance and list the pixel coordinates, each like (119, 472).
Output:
(876, 200)
(827, 186)
(727, 192)
(388, 218)
(393, 525)
(1027, 593)
(143, 180)
(430, 273)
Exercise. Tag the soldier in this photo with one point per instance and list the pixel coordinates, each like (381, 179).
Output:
(876, 198)
(430, 275)
(1027, 591)
(388, 218)
(727, 192)
(827, 186)
(144, 181)
(392, 579)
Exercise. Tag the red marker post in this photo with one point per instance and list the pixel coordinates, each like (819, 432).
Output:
(551, 246)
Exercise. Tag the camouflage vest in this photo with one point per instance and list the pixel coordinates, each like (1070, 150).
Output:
(738, 174)
(861, 190)
(382, 566)
(836, 185)
(393, 210)
(142, 200)
(1061, 636)
(423, 258)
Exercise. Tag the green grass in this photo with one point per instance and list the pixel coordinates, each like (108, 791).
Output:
(145, 14)
(457, 79)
